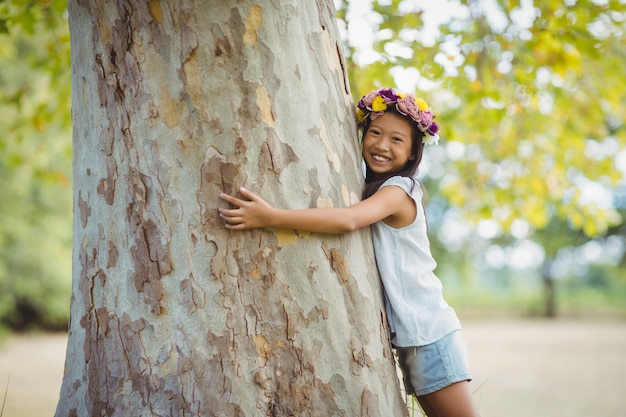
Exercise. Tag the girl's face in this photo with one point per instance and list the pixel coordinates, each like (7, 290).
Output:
(388, 143)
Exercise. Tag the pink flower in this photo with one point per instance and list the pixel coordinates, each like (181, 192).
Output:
(426, 119)
(408, 107)
(367, 100)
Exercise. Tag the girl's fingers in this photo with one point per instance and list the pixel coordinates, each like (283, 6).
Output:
(238, 218)
(248, 194)
(227, 212)
(233, 226)
(229, 217)
(229, 198)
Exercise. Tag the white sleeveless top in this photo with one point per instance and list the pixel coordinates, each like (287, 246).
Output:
(416, 310)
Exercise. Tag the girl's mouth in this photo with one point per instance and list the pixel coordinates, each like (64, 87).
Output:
(379, 158)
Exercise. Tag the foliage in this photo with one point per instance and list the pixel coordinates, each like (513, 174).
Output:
(529, 95)
(598, 290)
(35, 164)
(530, 100)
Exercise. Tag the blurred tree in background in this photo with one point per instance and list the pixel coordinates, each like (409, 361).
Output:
(530, 97)
(35, 164)
(528, 180)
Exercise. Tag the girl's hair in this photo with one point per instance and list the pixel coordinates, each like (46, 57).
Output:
(373, 181)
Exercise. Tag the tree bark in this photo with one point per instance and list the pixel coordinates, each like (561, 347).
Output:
(173, 103)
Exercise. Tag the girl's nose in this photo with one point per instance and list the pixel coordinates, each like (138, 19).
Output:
(382, 144)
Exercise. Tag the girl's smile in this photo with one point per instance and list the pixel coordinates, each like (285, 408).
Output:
(380, 158)
(388, 143)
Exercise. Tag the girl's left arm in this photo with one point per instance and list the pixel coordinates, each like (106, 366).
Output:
(254, 212)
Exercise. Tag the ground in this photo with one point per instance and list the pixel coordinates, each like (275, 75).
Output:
(549, 368)
(522, 368)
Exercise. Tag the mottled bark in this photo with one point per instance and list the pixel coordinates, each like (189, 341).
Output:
(173, 103)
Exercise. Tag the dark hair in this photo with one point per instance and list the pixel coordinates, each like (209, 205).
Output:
(373, 181)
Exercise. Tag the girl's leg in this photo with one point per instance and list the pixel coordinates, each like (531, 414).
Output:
(428, 410)
(452, 401)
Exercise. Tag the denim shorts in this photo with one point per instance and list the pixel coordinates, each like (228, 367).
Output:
(429, 368)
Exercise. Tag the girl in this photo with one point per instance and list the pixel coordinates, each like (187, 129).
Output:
(425, 331)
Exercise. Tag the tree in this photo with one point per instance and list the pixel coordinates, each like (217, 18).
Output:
(173, 103)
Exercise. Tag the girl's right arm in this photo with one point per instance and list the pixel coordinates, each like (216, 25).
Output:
(254, 212)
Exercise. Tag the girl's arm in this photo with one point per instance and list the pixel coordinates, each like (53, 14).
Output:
(389, 203)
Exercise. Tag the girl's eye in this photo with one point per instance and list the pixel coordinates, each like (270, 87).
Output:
(397, 139)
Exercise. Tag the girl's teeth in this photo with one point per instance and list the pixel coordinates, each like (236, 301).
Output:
(379, 158)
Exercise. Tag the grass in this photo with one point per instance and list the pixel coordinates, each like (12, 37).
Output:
(481, 302)
(412, 404)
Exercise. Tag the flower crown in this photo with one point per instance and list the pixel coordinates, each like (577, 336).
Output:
(376, 102)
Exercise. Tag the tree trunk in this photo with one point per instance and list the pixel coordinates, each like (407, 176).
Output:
(173, 103)
(549, 289)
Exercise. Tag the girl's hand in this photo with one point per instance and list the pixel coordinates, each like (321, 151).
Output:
(249, 214)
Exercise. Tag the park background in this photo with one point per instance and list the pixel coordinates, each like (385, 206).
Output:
(526, 189)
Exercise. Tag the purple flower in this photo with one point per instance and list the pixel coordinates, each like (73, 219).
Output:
(389, 95)
(433, 129)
